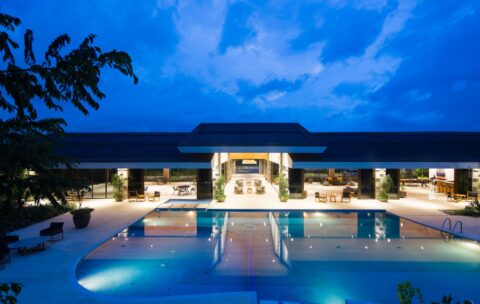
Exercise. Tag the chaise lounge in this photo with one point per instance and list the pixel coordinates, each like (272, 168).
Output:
(346, 196)
(238, 190)
(54, 229)
(260, 190)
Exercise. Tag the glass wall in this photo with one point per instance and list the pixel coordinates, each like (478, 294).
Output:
(98, 180)
(183, 175)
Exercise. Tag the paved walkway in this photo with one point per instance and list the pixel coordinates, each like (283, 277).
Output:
(49, 276)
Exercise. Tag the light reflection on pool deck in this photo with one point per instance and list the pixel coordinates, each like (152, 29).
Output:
(302, 257)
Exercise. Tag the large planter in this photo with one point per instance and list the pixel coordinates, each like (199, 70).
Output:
(81, 217)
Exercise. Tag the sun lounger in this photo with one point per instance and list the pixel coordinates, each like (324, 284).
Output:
(55, 228)
(132, 196)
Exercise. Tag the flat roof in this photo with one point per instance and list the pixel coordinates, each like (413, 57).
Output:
(395, 149)
(119, 150)
(328, 149)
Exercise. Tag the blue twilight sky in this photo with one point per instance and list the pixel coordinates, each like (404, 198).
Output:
(332, 65)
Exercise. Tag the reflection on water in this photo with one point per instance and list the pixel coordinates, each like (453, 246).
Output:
(315, 257)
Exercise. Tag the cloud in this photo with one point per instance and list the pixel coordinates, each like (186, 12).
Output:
(331, 65)
(264, 57)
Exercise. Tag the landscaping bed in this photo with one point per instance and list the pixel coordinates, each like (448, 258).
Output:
(26, 216)
(463, 212)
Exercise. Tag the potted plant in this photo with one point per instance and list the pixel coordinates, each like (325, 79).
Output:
(220, 189)
(117, 185)
(309, 177)
(283, 188)
(81, 217)
(402, 193)
(385, 185)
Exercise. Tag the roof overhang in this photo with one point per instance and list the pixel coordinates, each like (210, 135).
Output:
(252, 149)
(144, 165)
(387, 165)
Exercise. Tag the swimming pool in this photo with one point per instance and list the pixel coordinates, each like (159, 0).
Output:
(302, 257)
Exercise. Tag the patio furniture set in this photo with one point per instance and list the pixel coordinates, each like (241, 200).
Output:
(257, 183)
(346, 196)
(134, 196)
(457, 197)
(415, 181)
(28, 245)
(183, 189)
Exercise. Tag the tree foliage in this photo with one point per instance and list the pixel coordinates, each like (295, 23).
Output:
(9, 292)
(65, 76)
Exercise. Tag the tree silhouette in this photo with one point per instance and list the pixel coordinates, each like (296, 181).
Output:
(27, 141)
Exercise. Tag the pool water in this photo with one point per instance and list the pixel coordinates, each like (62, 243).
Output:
(301, 257)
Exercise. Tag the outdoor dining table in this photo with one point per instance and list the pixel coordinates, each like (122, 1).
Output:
(185, 189)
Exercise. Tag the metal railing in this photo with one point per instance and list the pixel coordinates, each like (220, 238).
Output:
(450, 232)
(455, 226)
(449, 221)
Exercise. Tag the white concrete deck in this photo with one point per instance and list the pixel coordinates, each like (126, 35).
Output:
(49, 276)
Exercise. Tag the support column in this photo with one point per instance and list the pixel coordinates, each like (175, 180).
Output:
(475, 180)
(295, 182)
(268, 171)
(204, 184)
(136, 180)
(166, 175)
(366, 184)
(395, 175)
(463, 181)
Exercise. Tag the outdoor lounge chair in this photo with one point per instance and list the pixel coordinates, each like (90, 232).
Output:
(451, 197)
(304, 194)
(238, 190)
(132, 196)
(260, 190)
(154, 196)
(346, 197)
(54, 229)
(472, 196)
(322, 198)
(140, 198)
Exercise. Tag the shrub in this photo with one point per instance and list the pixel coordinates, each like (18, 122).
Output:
(117, 184)
(220, 189)
(283, 188)
(22, 217)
